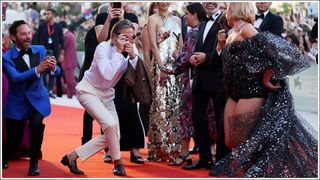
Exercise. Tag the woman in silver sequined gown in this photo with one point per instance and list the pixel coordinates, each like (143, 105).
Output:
(164, 129)
(280, 143)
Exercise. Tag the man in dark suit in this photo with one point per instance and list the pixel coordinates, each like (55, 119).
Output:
(50, 35)
(207, 84)
(266, 21)
(24, 65)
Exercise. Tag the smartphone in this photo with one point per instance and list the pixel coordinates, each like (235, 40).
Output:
(50, 52)
(116, 5)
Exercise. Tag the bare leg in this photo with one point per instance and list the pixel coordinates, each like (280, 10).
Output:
(228, 112)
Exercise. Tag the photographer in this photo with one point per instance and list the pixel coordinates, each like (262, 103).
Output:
(25, 65)
(96, 94)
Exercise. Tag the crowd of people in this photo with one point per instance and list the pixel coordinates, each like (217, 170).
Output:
(217, 75)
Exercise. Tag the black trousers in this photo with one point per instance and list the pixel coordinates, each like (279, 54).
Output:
(15, 132)
(200, 100)
(87, 129)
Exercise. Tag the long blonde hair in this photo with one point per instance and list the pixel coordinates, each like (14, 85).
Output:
(243, 11)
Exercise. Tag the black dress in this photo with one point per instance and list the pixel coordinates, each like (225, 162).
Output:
(280, 144)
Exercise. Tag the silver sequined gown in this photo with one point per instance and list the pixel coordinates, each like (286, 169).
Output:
(164, 132)
(281, 144)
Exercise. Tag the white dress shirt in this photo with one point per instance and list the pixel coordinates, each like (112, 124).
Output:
(258, 22)
(210, 23)
(107, 66)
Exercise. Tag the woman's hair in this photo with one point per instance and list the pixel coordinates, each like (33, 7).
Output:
(151, 8)
(197, 8)
(243, 11)
(123, 24)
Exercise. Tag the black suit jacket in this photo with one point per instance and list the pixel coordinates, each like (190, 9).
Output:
(272, 23)
(208, 75)
(41, 37)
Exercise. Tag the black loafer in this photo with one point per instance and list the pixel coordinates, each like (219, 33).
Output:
(198, 165)
(5, 165)
(71, 165)
(34, 170)
(118, 170)
(194, 150)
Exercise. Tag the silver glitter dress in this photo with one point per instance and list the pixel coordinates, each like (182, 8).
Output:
(280, 143)
(164, 132)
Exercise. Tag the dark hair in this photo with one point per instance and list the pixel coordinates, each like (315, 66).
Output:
(151, 8)
(15, 25)
(197, 8)
(63, 24)
(51, 10)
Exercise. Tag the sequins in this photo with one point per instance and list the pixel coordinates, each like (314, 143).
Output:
(281, 145)
(165, 130)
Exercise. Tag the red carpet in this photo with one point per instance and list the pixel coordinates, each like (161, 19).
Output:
(63, 134)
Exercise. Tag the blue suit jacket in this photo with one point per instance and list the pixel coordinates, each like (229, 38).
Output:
(26, 89)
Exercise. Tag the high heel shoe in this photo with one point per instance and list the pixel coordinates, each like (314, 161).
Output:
(71, 165)
(183, 159)
(136, 159)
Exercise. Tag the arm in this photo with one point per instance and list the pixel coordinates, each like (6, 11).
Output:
(103, 30)
(146, 46)
(152, 29)
(13, 75)
(108, 62)
(266, 81)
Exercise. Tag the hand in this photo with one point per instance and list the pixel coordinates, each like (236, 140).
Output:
(222, 38)
(200, 58)
(163, 78)
(166, 71)
(117, 13)
(175, 53)
(128, 47)
(266, 81)
(192, 60)
(44, 64)
(52, 63)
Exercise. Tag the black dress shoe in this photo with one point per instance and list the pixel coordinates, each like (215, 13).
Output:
(118, 170)
(34, 170)
(136, 159)
(71, 165)
(5, 164)
(198, 165)
(194, 150)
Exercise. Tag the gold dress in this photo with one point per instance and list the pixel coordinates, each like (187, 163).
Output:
(164, 130)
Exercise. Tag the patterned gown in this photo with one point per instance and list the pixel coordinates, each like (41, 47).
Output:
(281, 143)
(164, 129)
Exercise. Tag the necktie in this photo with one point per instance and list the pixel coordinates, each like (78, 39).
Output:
(259, 16)
(23, 52)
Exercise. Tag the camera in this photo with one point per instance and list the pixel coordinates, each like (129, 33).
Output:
(116, 5)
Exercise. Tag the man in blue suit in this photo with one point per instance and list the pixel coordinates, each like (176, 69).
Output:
(27, 97)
